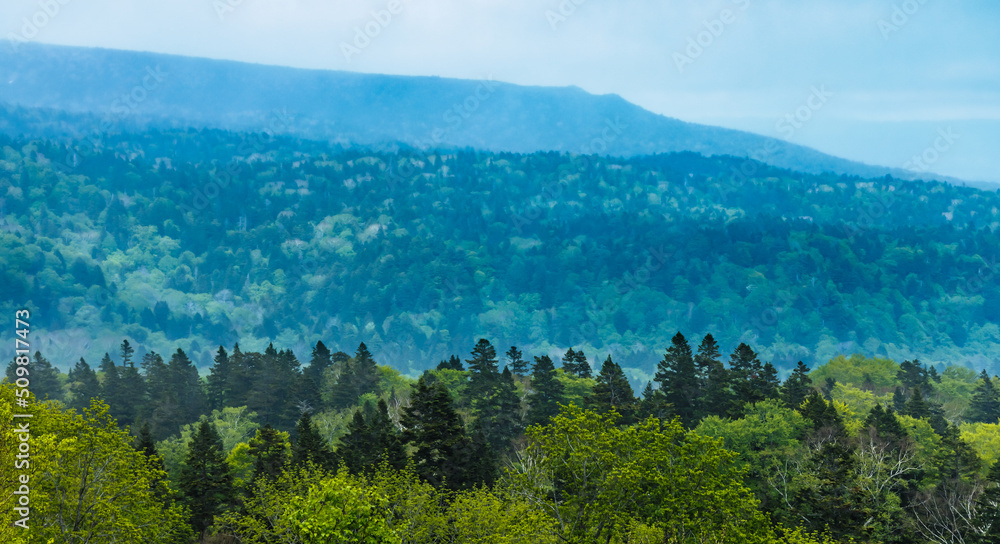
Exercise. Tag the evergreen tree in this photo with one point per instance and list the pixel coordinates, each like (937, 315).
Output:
(515, 362)
(309, 446)
(371, 441)
(313, 377)
(886, 424)
(498, 417)
(822, 414)
(613, 391)
(44, 378)
(434, 430)
(544, 401)
(899, 400)
(575, 363)
(357, 377)
(654, 404)
(186, 387)
(219, 381)
(987, 517)
(273, 393)
(269, 451)
(916, 406)
(766, 384)
(985, 404)
(163, 411)
(133, 386)
(84, 385)
(716, 398)
(205, 479)
(797, 387)
(240, 377)
(111, 387)
(483, 375)
(453, 363)
(750, 382)
(678, 380)
(144, 443)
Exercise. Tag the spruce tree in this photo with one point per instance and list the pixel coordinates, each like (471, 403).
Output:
(84, 385)
(544, 401)
(678, 380)
(985, 404)
(309, 446)
(163, 411)
(357, 377)
(916, 406)
(654, 404)
(270, 453)
(453, 363)
(766, 384)
(205, 479)
(434, 429)
(886, 424)
(797, 387)
(111, 387)
(371, 441)
(483, 375)
(133, 386)
(613, 391)
(751, 381)
(516, 362)
(498, 415)
(574, 363)
(45, 383)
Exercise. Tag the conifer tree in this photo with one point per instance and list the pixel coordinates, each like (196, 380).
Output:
(916, 406)
(654, 404)
(498, 415)
(434, 429)
(111, 387)
(133, 387)
(575, 363)
(371, 441)
(614, 391)
(985, 404)
(713, 380)
(548, 392)
(357, 377)
(44, 378)
(219, 381)
(240, 376)
(483, 374)
(269, 451)
(163, 411)
(987, 517)
(205, 479)
(678, 380)
(453, 363)
(309, 446)
(84, 385)
(516, 362)
(886, 424)
(797, 387)
(186, 387)
(144, 443)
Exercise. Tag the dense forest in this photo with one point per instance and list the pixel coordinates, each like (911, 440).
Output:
(194, 238)
(505, 447)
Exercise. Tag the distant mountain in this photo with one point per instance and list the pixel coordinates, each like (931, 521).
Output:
(124, 90)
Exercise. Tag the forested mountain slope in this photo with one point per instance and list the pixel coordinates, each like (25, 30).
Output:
(128, 90)
(200, 238)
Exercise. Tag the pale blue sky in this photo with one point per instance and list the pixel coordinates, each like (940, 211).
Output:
(894, 79)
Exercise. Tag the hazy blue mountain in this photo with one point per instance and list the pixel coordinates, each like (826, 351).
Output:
(124, 90)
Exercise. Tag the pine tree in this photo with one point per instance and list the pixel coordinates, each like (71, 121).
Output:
(163, 411)
(219, 381)
(205, 479)
(886, 424)
(358, 376)
(515, 362)
(985, 404)
(766, 385)
(613, 391)
(752, 380)
(309, 446)
(371, 441)
(45, 383)
(574, 363)
(453, 363)
(822, 413)
(548, 392)
(678, 380)
(240, 377)
(269, 451)
(84, 385)
(797, 387)
(713, 380)
(916, 406)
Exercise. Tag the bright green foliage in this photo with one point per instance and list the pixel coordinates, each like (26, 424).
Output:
(593, 477)
(340, 509)
(205, 480)
(984, 438)
(858, 370)
(548, 392)
(88, 483)
(484, 516)
(613, 392)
